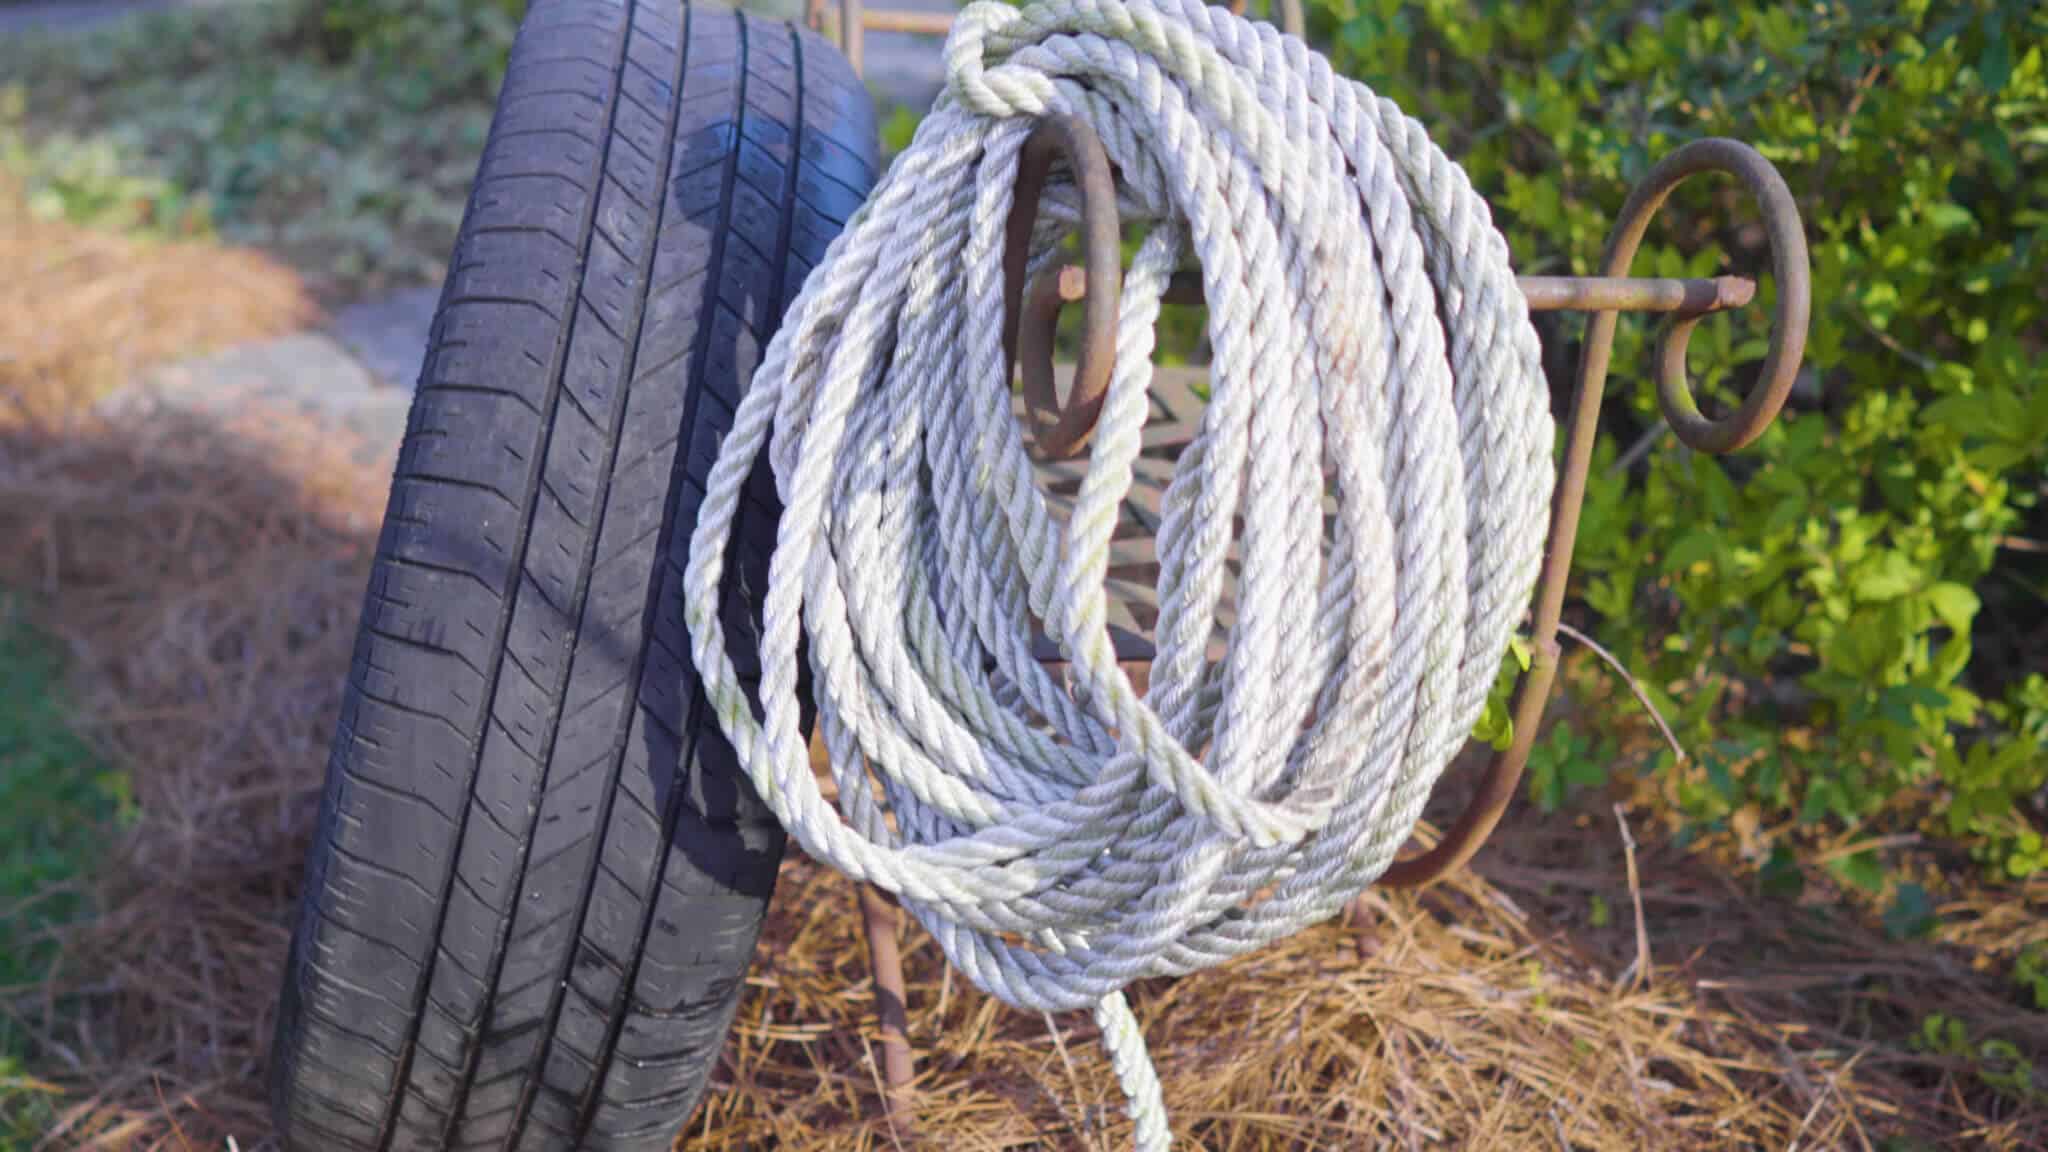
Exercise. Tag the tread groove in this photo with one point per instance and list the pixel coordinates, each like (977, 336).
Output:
(522, 1111)
(587, 1108)
(402, 1077)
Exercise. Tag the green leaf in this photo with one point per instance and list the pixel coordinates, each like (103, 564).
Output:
(1970, 413)
(1994, 65)
(1911, 913)
(1864, 870)
(1518, 646)
(1887, 576)
(898, 129)
(1691, 548)
(1780, 878)
(1897, 702)
(1950, 217)
(1954, 604)
(1823, 796)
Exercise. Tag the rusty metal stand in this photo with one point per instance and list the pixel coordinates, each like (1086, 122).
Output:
(1061, 429)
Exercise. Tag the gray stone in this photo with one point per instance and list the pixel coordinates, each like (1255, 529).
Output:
(389, 334)
(378, 424)
(306, 370)
(307, 375)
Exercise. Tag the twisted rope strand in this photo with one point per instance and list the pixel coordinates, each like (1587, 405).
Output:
(1377, 431)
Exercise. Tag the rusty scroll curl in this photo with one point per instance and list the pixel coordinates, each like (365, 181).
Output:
(1791, 270)
(1061, 429)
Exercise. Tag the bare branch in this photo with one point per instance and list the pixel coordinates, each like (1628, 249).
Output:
(1633, 686)
(1640, 967)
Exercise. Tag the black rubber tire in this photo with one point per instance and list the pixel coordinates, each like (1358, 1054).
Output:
(539, 874)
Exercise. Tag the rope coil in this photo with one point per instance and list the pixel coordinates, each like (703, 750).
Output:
(1378, 431)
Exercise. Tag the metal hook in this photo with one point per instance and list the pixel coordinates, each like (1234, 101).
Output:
(1029, 320)
(1789, 267)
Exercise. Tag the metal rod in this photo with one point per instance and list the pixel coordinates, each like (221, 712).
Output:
(1288, 14)
(1620, 294)
(1061, 431)
(1549, 293)
(892, 1013)
(913, 23)
(853, 35)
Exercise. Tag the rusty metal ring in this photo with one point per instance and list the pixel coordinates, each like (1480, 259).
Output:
(1064, 432)
(1789, 267)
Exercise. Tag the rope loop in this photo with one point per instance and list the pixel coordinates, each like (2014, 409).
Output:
(1374, 460)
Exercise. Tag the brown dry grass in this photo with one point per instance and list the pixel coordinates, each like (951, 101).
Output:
(203, 580)
(206, 580)
(1463, 1027)
(206, 595)
(82, 312)
(1490, 1012)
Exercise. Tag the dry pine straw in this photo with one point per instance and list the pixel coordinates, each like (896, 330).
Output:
(81, 312)
(206, 580)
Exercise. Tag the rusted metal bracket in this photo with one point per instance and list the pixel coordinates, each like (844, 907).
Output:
(1792, 273)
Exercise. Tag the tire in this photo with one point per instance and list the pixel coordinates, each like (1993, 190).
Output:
(538, 872)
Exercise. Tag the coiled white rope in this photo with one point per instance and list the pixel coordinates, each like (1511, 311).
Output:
(1062, 839)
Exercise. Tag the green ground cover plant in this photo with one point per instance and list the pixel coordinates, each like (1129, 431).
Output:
(56, 804)
(90, 180)
(343, 134)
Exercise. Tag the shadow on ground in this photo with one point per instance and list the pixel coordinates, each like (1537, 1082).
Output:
(204, 578)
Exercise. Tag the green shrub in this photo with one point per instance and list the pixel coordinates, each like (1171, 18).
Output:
(56, 805)
(1838, 619)
(462, 42)
(344, 133)
(90, 180)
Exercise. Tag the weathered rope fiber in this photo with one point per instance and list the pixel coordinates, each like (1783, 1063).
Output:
(1062, 838)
